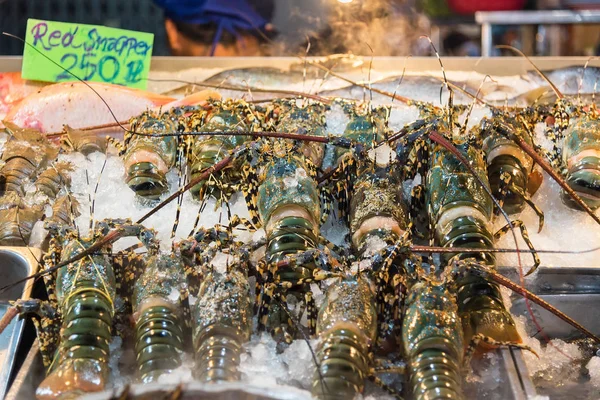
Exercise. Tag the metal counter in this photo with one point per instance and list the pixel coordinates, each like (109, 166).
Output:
(15, 263)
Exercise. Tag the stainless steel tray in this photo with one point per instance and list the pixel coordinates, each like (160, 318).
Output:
(15, 263)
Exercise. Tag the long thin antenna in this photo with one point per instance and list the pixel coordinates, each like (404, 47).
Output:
(519, 52)
(401, 78)
(93, 206)
(581, 79)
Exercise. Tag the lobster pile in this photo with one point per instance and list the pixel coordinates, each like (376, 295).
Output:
(390, 306)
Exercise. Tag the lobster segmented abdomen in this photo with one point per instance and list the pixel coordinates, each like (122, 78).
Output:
(346, 325)
(223, 323)
(16, 172)
(81, 363)
(218, 357)
(149, 158)
(17, 224)
(506, 165)
(435, 374)
(343, 365)
(146, 180)
(159, 331)
(581, 158)
(291, 235)
(158, 342)
(433, 342)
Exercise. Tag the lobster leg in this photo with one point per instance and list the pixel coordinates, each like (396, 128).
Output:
(47, 324)
(326, 201)
(250, 190)
(377, 381)
(531, 204)
(312, 313)
(487, 341)
(518, 223)
(186, 314)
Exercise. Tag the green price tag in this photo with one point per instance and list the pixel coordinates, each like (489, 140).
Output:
(91, 52)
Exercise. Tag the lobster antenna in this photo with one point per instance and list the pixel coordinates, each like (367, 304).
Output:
(243, 89)
(249, 89)
(519, 52)
(403, 99)
(182, 174)
(474, 101)
(401, 78)
(369, 75)
(305, 61)
(442, 67)
(93, 205)
(453, 250)
(87, 180)
(594, 94)
(581, 79)
(201, 210)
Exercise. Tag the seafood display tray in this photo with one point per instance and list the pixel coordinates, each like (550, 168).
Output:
(15, 263)
(574, 290)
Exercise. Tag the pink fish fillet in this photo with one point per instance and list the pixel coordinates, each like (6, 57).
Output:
(76, 105)
(13, 89)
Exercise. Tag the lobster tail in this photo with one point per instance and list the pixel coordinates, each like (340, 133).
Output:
(343, 365)
(82, 358)
(218, 355)
(481, 307)
(15, 173)
(290, 235)
(472, 232)
(584, 178)
(16, 225)
(223, 319)
(205, 154)
(508, 165)
(581, 157)
(65, 210)
(148, 158)
(346, 326)
(433, 342)
(435, 374)
(158, 328)
(146, 180)
(53, 179)
(158, 342)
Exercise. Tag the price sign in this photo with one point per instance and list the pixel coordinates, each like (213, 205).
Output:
(91, 52)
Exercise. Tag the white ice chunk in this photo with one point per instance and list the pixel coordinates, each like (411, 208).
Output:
(38, 235)
(593, 367)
